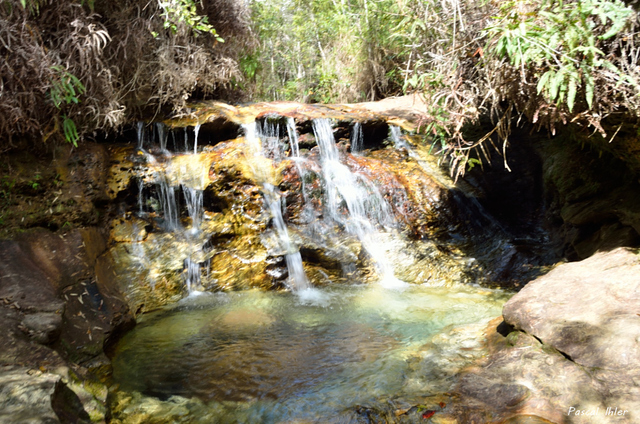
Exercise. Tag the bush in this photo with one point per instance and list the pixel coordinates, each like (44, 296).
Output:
(76, 66)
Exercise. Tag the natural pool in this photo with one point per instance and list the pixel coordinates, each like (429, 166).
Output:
(257, 356)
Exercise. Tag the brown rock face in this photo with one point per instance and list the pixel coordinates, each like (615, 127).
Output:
(49, 281)
(55, 315)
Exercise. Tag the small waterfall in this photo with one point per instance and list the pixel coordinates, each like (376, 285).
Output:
(192, 275)
(194, 201)
(140, 133)
(293, 137)
(140, 196)
(269, 133)
(301, 167)
(361, 199)
(196, 131)
(162, 136)
(169, 206)
(292, 256)
(396, 137)
(357, 138)
(297, 276)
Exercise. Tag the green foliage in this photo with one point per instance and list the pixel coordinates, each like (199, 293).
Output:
(32, 6)
(65, 89)
(562, 43)
(324, 50)
(34, 184)
(70, 130)
(250, 65)
(176, 12)
(6, 188)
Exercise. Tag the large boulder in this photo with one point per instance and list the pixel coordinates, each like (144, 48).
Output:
(587, 310)
(56, 322)
(572, 348)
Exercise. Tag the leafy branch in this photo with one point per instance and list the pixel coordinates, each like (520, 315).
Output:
(66, 89)
(562, 44)
(175, 12)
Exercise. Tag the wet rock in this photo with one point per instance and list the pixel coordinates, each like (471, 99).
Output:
(547, 385)
(49, 297)
(496, 394)
(144, 288)
(26, 396)
(67, 266)
(43, 327)
(402, 111)
(128, 230)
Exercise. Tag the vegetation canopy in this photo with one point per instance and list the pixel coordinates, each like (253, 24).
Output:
(549, 61)
(74, 66)
(71, 67)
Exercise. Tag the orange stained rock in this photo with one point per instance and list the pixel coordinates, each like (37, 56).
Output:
(404, 112)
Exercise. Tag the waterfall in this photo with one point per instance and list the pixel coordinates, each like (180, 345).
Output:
(362, 200)
(162, 136)
(140, 196)
(140, 133)
(357, 138)
(192, 277)
(169, 206)
(396, 137)
(196, 131)
(292, 256)
(293, 138)
(297, 276)
(269, 133)
(193, 199)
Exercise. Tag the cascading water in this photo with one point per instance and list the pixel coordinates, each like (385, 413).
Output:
(179, 178)
(169, 205)
(396, 137)
(298, 279)
(196, 131)
(194, 202)
(162, 136)
(365, 207)
(265, 356)
(357, 138)
(293, 137)
(140, 133)
(292, 256)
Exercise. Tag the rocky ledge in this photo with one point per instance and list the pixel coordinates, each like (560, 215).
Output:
(568, 350)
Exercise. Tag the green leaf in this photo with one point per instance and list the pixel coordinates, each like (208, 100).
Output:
(70, 130)
(544, 79)
(555, 84)
(571, 93)
(588, 89)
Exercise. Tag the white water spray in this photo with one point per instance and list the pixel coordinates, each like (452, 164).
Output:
(357, 138)
(365, 206)
(196, 131)
(297, 277)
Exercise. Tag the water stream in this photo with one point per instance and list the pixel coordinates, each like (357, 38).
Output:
(365, 211)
